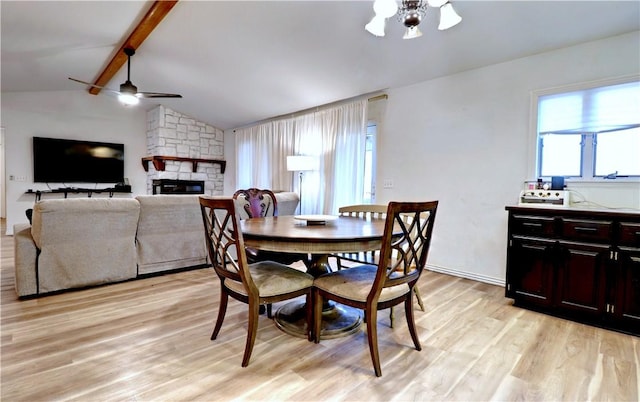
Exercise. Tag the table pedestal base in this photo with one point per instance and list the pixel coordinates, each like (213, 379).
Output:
(337, 320)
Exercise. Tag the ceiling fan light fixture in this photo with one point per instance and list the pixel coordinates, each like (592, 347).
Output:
(385, 8)
(376, 26)
(410, 13)
(448, 17)
(412, 32)
(128, 99)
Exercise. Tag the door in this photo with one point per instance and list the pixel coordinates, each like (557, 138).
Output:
(582, 282)
(530, 271)
(626, 309)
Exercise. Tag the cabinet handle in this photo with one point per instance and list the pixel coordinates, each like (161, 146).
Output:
(583, 229)
(535, 225)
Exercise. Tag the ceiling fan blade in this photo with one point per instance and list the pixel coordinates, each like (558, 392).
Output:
(93, 85)
(156, 95)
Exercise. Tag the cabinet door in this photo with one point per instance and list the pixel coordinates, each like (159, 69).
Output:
(582, 282)
(626, 309)
(530, 271)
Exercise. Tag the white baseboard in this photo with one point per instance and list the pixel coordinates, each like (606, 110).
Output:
(467, 275)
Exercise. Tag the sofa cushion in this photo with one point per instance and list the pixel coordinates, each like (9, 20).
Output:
(84, 242)
(170, 233)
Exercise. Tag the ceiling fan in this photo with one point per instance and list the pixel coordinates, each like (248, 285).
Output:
(128, 93)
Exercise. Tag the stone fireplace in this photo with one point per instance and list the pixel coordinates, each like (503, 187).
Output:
(189, 146)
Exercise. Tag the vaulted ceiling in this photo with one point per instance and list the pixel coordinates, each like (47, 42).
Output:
(237, 62)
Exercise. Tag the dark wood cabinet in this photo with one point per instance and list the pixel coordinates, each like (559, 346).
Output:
(578, 264)
(581, 271)
(534, 279)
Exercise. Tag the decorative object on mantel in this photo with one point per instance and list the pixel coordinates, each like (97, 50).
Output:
(410, 13)
(159, 162)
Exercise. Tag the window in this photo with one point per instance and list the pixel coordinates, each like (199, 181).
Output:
(589, 133)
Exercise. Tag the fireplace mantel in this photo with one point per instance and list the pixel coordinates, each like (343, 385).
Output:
(159, 162)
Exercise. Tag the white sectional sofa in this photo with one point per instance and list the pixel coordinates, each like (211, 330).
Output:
(75, 243)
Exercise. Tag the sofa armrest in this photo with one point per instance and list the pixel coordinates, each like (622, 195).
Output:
(287, 202)
(25, 256)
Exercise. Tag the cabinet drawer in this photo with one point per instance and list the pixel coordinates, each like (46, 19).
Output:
(630, 234)
(533, 225)
(584, 229)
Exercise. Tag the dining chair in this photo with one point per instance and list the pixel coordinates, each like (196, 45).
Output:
(363, 211)
(256, 284)
(367, 211)
(259, 203)
(407, 232)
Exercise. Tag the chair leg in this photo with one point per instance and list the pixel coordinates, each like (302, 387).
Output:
(417, 292)
(224, 300)
(418, 298)
(251, 332)
(317, 315)
(310, 315)
(269, 310)
(408, 310)
(371, 315)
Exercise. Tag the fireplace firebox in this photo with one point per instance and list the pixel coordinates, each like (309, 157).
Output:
(167, 186)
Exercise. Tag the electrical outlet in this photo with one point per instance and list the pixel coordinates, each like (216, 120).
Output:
(387, 183)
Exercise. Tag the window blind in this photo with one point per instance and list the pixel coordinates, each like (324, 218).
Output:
(595, 110)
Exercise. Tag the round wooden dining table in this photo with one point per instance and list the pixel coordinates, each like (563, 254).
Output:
(318, 239)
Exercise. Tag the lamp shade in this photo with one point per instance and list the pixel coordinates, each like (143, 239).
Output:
(448, 17)
(376, 26)
(412, 32)
(385, 8)
(300, 163)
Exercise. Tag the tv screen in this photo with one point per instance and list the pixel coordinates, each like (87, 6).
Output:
(71, 161)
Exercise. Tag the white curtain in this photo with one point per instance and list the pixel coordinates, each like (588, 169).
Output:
(335, 135)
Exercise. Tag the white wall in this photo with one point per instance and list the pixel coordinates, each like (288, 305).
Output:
(464, 140)
(71, 115)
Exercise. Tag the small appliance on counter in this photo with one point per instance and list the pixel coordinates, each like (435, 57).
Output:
(538, 197)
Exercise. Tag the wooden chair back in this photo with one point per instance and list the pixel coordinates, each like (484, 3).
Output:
(258, 202)
(365, 211)
(405, 245)
(224, 241)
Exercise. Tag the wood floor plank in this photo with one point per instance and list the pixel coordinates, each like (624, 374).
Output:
(148, 340)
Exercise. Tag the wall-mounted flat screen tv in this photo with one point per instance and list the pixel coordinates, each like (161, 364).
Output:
(70, 161)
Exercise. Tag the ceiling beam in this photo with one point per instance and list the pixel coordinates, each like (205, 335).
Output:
(159, 9)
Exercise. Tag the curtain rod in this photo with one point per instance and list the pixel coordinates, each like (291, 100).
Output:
(372, 98)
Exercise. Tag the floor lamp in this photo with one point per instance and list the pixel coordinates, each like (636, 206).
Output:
(301, 163)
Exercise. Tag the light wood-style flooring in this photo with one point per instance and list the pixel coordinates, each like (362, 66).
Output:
(148, 340)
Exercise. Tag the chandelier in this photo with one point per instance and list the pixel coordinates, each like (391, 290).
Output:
(410, 13)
